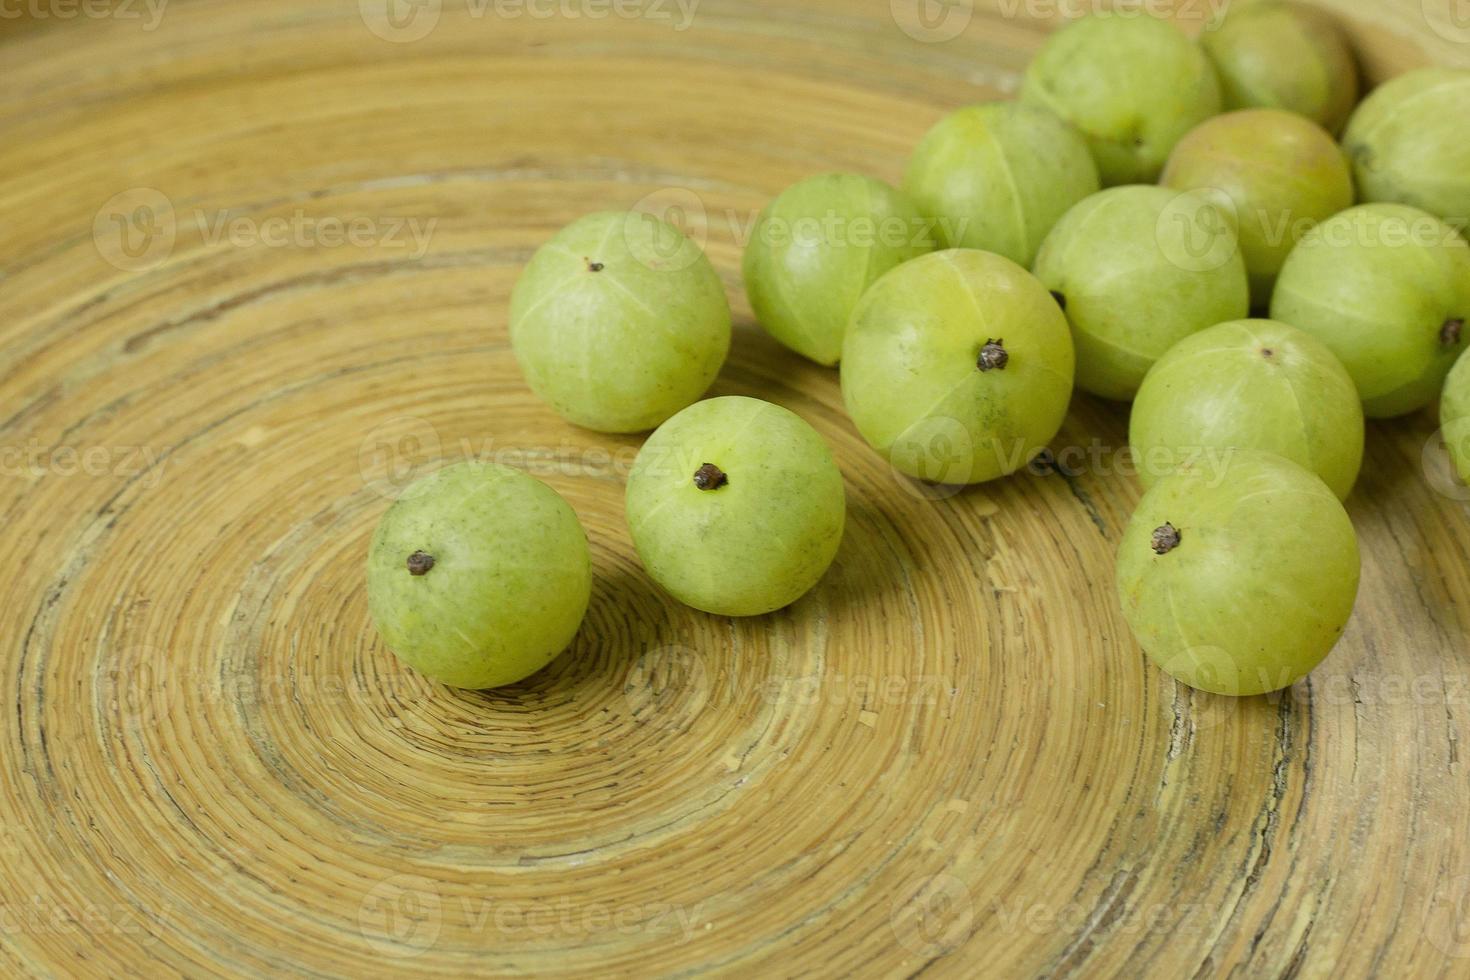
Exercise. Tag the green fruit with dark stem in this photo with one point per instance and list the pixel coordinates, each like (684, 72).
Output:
(478, 575)
(1138, 269)
(1387, 288)
(998, 176)
(1249, 384)
(957, 367)
(1278, 173)
(736, 506)
(1284, 55)
(1410, 143)
(1238, 576)
(1133, 85)
(619, 321)
(814, 250)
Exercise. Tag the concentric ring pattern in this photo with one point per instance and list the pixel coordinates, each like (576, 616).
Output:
(254, 271)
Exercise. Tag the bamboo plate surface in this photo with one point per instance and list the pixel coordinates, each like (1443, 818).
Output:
(254, 268)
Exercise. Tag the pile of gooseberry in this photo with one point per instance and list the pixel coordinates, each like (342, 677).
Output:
(1156, 220)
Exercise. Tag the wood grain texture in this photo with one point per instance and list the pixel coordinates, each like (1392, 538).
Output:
(950, 759)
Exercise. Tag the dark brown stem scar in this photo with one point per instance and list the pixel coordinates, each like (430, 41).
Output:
(593, 266)
(1267, 352)
(1449, 334)
(1061, 299)
(993, 355)
(420, 562)
(1166, 538)
(710, 477)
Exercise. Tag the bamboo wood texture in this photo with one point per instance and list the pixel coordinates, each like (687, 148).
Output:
(254, 272)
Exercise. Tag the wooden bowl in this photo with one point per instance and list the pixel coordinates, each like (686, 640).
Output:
(254, 277)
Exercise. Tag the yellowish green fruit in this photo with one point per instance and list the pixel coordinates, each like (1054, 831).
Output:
(817, 247)
(1237, 576)
(619, 321)
(1387, 288)
(957, 367)
(1138, 269)
(736, 506)
(1133, 85)
(478, 575)
(1454, 416)
(1409, 143)
(1278, 54)
(1249, 384)
(998, 176)
(1277, 173)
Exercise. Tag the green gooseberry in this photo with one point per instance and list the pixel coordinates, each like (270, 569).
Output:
(957, 367)
(736, 506)
(1138, 269)
(1454, 416)
(1133, 85)
(1410, 143)
(1280, 173)
(1238, 575)
(478, 575)
(1278, 54)
(1249, 384)
(814, 250)
(998, 176)
(619, 321)
(1387, 288)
